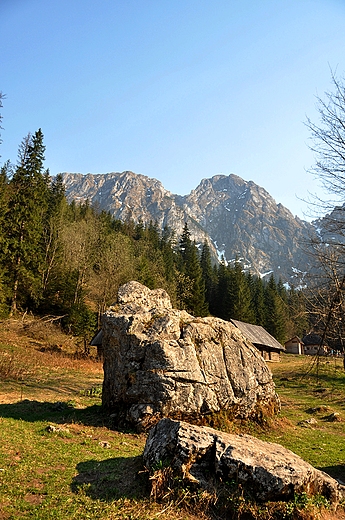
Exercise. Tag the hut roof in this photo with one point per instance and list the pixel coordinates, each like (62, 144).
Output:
(312, 339)
(97, 339)
(258, 335)
(294, 337)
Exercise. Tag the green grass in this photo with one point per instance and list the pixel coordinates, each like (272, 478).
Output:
(307, 391)
(64, 464)
(62, 458)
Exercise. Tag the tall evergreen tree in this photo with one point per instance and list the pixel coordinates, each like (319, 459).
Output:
(275, 311)
(25, 221)
(5, 173)
(298, 319)
(240, 295)
(194, 301)
(222, 305)
(258, 299)
(56, 217)
(209, 277)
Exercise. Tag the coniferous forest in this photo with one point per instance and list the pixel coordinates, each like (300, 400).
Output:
(67, 260)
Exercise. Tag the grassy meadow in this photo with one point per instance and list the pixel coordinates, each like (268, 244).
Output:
(62, 458)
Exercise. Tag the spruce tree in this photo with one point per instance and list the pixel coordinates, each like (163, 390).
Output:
(194, 300)
(209, 277)
(240, 295)
(298, 316)
(276, 318)
(25, 222)
(222, 304)
(56, 216)
(5, 172)
(258, 299)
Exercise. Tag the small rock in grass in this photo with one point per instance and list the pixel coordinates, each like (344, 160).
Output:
(333, 417)
(307, 422)
(318, 409)
(53, 429)
(104, 444)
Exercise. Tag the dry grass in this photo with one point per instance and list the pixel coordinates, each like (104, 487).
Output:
(37, 360)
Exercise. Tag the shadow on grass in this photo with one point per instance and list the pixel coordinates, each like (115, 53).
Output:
(58, 412)
(112, 479)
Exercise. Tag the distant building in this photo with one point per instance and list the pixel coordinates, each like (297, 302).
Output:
(313, 345)
(294, 346)
(268, 346)
(97, 342)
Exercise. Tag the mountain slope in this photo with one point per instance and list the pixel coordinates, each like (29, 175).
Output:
(245, 221)
(238, 217)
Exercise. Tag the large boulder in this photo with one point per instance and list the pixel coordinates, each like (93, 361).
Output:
(203, 456)
(162, 362)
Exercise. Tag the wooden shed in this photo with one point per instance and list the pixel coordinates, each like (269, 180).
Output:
(97, 342)
(294, 346)
(268, 346)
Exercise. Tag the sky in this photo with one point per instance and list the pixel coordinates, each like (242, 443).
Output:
(175, 90)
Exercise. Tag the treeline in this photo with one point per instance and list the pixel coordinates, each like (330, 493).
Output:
(68, 260)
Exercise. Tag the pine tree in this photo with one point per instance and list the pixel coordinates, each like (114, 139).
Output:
(194, 301)
(298, 319)
(209, 276)
(185, 245)
(5, 173)
(222, 305)
(57, 211)
(276, 318)
(258, 300)
(240, 295)
(25, 221)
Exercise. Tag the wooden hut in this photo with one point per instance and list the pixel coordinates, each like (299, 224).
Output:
(97, 342)
(294, 346)
(268, 346)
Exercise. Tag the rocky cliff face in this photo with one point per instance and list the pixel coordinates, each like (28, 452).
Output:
(238, 218)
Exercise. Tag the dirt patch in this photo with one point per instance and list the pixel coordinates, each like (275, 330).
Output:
(33, 498)
(36, 484)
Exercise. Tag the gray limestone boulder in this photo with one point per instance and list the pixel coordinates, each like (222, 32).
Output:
(162, 362)
(203, 456)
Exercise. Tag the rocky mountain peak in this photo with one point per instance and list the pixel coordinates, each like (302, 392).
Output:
(238, 218)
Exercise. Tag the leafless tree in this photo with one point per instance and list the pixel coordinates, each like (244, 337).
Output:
(327, 301)
(328, 137)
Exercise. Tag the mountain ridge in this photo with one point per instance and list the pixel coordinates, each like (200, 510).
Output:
(238, 218)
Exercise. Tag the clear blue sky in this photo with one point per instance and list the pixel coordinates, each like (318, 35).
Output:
(176, 90)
